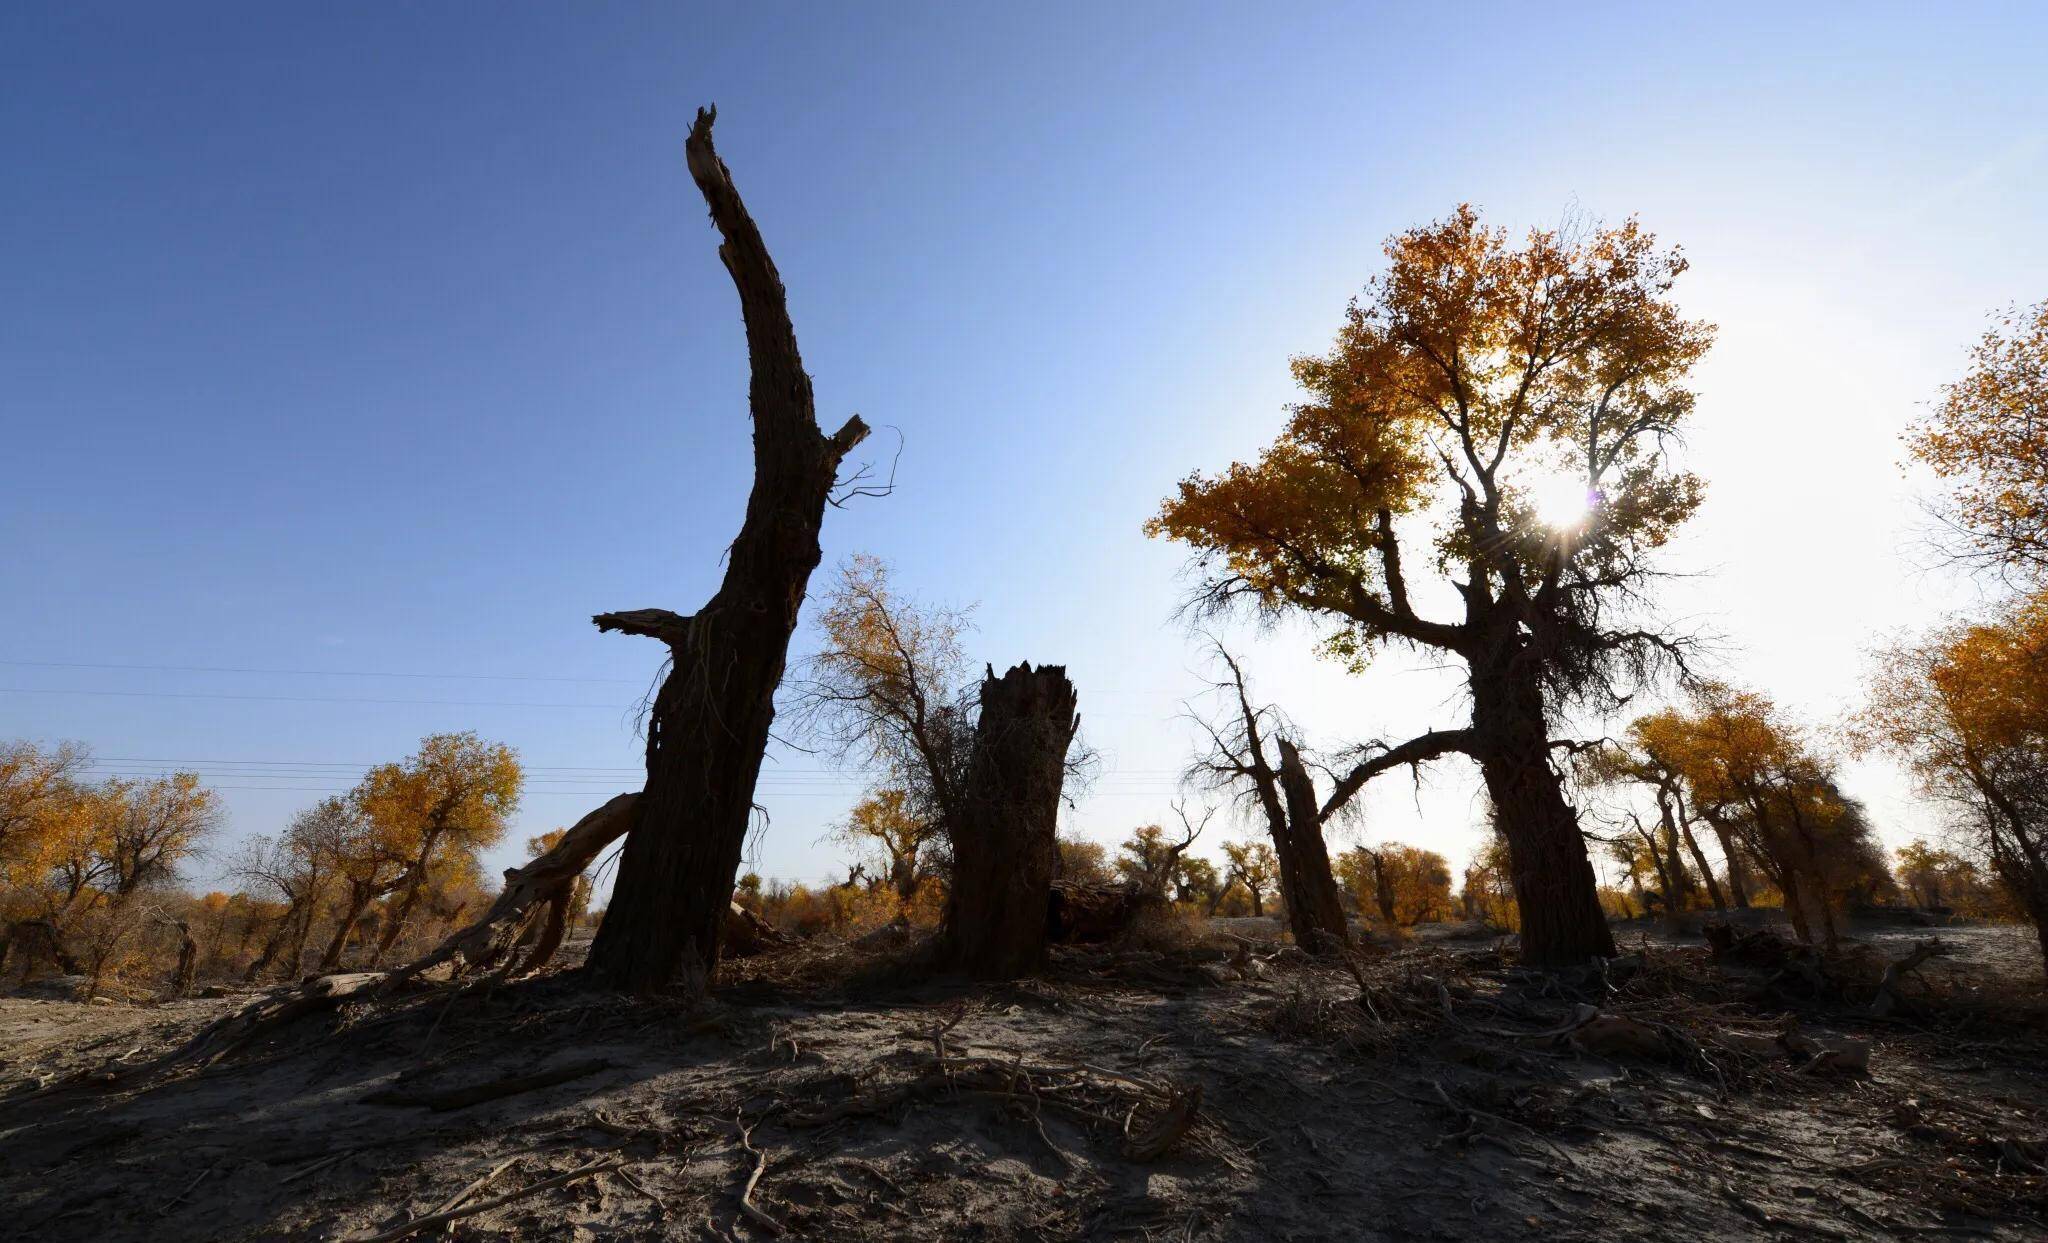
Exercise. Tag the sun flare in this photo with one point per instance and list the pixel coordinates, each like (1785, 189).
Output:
(1561, 501)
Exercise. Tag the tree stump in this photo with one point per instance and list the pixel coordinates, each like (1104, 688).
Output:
(1004, 848)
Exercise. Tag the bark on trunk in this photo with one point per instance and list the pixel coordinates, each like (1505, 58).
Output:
(1562, 923)
(1004, 849)
(710, 720)
(1315, 910)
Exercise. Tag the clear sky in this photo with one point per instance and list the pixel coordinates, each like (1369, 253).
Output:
(350, 360)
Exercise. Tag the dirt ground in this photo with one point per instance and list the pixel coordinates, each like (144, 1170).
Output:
(1429, 1093)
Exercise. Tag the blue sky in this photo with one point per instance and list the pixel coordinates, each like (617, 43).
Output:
(394, 342)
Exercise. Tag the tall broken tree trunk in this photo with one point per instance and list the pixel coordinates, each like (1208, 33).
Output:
(1315, 910)
(1005, 849)
(709, 723)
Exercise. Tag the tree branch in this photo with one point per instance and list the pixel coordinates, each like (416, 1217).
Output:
(661, 624)
(1429, 746)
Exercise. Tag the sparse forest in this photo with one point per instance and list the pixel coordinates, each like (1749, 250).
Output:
(1679, 974)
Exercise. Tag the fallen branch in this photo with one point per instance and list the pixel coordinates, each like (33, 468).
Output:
(747, 1205)
(431, 1220)
(478, 1184)
(1888, 999)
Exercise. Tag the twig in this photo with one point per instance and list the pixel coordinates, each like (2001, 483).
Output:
(761, 1218)
(418, 1224)
(321, 1164)
(455, 1201)
(180, 1198)
(659, 1203)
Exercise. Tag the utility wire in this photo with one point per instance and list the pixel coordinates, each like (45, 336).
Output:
(316, 673)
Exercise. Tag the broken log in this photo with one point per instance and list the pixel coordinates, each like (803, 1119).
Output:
(747, 934)
(1888, 999)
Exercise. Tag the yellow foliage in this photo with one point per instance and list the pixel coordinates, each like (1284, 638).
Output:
(1397, 884)
(1562, 358)
(1984, 441)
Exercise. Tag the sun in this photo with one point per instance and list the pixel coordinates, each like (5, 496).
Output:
(1561, 501)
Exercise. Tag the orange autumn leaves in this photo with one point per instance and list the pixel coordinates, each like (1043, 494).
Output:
(1472, 368)
(1987, 442)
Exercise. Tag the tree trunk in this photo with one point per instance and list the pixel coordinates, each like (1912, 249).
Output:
(2040, 919)
(188, 959)
(1738, 889)
(396, 923)
(1004, 848)
(1383, 892)
(1666, 888)
(273, 945)
(709, 723)
(1559, 897)
(1795, 905)
(1699, 858)
(358, 901)
(1315, 909)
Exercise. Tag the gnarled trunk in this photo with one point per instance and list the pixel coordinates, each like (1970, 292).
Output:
(1315, 910)
(1559, 897)
(709, 723)
(1005, 849)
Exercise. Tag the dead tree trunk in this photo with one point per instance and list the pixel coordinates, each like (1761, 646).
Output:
(1315, 910)
(709, 723)
(1004, 849)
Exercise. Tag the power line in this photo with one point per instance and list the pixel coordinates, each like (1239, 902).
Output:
(310, 699)
(316, 673)
(555, 768)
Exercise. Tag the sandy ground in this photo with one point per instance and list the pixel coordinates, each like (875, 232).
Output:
(1439, 1112)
